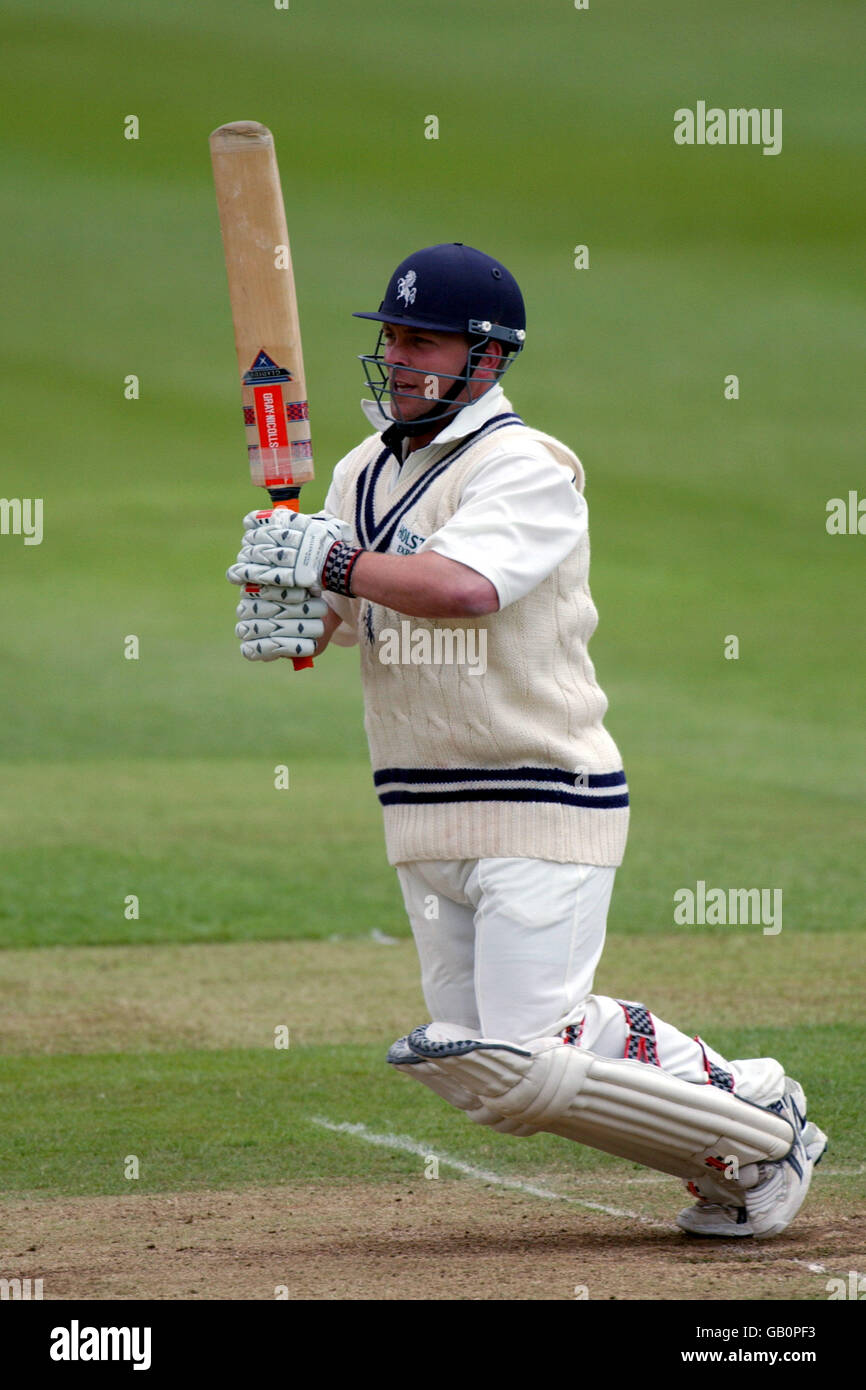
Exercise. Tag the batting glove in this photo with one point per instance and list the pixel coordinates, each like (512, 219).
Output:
(290, 549)
(278, 622)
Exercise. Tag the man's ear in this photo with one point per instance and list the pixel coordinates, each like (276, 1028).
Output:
(492, 358)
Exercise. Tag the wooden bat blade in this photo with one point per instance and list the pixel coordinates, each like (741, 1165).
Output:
(264, 304)
(264, 312)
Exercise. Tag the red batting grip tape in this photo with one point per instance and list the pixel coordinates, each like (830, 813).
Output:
(300, 663)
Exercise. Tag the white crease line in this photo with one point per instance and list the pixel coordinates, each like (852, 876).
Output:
(820, 1269)
(408, 1145)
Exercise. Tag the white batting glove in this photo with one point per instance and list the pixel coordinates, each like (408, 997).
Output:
(287, 549)
(279, 622)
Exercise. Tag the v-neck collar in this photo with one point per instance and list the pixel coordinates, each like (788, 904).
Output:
(376, 531)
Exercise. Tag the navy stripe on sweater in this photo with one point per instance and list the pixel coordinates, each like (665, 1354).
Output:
(377, 535)
(418, 786)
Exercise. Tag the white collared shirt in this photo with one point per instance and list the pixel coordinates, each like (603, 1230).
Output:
(520, 512)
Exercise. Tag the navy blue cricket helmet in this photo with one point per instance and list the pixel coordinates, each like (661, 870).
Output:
(450, 288)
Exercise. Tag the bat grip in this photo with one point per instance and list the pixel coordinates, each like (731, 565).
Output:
(286, 497)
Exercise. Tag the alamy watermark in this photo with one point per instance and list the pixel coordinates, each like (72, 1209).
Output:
(438, 646)
(732, 907)
(738, 125)
(77, 1343)
(20, 1290)
(854, 1289)
(22, 516)
(846, 518)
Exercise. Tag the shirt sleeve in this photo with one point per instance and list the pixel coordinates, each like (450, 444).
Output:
(519, 516)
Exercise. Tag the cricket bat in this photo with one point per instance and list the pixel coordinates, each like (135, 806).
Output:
(265, 313)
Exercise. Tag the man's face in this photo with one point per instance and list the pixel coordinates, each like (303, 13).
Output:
(422, 363)
(415, 357)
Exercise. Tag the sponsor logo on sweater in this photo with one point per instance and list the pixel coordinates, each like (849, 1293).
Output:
(408, 542)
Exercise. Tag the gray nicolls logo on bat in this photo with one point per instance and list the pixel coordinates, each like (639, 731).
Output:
(406, 287)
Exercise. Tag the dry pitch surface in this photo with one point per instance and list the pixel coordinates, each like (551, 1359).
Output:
(446, 1239)
(469, 1234)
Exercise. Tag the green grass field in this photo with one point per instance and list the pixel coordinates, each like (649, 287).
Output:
(155, 777)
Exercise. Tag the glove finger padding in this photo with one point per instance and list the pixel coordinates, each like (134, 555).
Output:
(268, 603)
(266, 533)
(280, 516)
(269, 627)
(289, 528)
(270, 648)
(260, 575)
(266, 553)
(290, 596)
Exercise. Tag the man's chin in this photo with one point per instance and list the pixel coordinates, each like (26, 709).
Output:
(407, 411)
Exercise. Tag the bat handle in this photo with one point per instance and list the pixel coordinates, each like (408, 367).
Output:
(286, 497)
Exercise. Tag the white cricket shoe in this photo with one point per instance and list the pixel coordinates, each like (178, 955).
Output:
(773, 1202)
(711, 1219)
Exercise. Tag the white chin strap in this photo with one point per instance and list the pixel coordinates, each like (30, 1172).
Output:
(628, 1108)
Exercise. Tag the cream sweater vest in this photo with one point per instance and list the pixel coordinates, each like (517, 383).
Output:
(512, 763)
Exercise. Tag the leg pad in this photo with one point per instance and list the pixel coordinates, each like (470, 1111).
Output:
(627, 1108)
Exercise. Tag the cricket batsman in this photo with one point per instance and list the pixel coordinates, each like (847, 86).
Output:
(504, 797)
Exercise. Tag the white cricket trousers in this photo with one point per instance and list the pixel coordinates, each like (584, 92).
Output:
(509, 948)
